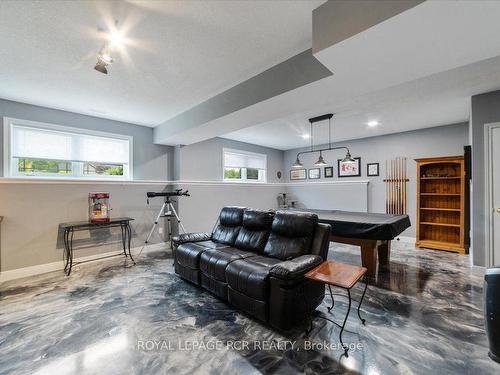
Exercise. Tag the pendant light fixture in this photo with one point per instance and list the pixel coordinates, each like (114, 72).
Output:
(321, 162)
(298, 163)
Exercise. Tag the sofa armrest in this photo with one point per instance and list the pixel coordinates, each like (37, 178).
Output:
(190, 237)
(295, 268)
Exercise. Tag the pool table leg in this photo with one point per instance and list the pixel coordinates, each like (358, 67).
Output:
(370, 251)
(384, 252)
(369, 256)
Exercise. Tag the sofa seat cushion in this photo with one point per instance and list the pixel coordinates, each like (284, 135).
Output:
(188, 254)
(187, 273)
(212, 245)
(253, 307)
(215, 262)
(250, 276)
(219, 288)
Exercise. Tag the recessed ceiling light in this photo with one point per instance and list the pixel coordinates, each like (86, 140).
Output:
(306, 136)
(373, 123)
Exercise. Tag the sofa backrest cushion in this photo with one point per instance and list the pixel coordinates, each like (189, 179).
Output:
(255, 231)
(228, 227)
(291, 234)
(321, 240)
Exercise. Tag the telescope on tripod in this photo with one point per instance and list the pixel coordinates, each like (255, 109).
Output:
(167, 210)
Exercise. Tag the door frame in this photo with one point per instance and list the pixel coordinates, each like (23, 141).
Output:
(488, 180)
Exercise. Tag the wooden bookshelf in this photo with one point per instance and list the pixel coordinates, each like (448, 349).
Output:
(440, 203)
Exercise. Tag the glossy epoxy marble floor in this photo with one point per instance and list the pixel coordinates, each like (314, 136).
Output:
(424, 316)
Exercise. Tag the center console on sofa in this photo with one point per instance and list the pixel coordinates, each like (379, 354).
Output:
(256, 261)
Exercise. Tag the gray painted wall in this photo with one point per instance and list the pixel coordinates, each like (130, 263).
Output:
(439, 141)
(151, 162)
(485, 109)
(212, 197)
(33, 211)
(202, 161)
(349, 195)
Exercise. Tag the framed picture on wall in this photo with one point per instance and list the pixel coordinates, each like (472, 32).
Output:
(314, 173)
(298, 174)
(372, 169)
(349, 169)
(328, 172)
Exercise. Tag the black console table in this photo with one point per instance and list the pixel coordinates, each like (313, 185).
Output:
(70, 228)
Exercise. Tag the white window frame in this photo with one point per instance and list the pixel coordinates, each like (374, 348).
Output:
(243, 178)
(9, 122)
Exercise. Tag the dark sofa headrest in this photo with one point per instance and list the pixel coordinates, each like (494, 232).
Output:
(294, 224)
(257, 219)
(231, 216)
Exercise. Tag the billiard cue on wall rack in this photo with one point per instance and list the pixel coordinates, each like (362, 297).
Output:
(393, 177)
(404, 186)
(386, 188)
(396, 191)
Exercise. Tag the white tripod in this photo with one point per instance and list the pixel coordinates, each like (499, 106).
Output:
(166, 210)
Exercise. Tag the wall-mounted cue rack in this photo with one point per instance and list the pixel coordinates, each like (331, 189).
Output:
(441, 203)
(396, 189)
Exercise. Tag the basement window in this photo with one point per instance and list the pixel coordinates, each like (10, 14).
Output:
(39, 150)
(243, 166)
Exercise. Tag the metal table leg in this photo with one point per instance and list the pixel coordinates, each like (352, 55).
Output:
(346, 348)
(71, 250)
(129, 235)
(122, 228)
(361, 301)
(68, 249)
(342, 327)
(333, 301)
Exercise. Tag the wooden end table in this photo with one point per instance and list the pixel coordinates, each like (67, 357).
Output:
(340, 275)
(70, 228)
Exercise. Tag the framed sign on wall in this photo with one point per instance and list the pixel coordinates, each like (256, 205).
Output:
(328, 172)
(347, 169)
(314, 173)
(298, 174)
(372, 169)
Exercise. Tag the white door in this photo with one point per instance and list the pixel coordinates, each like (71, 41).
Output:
(495, 189)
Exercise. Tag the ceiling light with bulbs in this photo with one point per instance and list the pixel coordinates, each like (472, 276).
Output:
(115, 40)
(321, 161)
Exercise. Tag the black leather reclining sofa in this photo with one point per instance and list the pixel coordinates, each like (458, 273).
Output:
(256, 261)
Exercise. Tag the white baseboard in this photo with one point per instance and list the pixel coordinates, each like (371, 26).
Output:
(57, 266)
(406, 239)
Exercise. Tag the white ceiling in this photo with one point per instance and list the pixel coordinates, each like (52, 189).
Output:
(439, 99)
(178, 53)
(381, 72)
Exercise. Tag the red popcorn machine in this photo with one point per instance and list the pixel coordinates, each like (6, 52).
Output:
(99, 207)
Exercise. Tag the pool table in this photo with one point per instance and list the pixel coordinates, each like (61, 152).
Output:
(372, 232)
